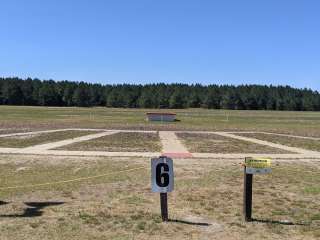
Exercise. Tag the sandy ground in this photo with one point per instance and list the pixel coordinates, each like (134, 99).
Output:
(66, 142)
(79, 216)
(274, 145)
(170, 142)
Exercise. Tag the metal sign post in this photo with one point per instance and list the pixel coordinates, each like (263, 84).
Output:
(247, 196)
(164, 206)
(162, 181)
(252, 166)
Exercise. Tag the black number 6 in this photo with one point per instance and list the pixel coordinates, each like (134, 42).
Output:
(162, 177)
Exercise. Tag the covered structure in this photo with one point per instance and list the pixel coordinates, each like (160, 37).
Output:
(161, 116)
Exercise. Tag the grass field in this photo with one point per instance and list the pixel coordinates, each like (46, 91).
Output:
(41, 138)
(120, 142)
(212, 143)
(309, 144)
(301, 123)
(206, 204)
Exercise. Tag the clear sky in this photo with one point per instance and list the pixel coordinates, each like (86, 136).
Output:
(144, 41)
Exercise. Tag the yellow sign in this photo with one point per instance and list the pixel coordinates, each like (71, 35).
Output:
(258, 162)
(258, 165)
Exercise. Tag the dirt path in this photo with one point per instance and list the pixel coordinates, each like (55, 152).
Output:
(276, 134)
(47, 146)
(288, 135)
(269, 144)
(290, 156)
(71, 129)
(34, 132)
(171, 145)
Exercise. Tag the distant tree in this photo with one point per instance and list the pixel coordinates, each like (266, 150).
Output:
(16, 91)
(176, 100)
(194, 100)
(213, 99)
(48, 95)
(12, 93)
(145, 100)
(81, 97)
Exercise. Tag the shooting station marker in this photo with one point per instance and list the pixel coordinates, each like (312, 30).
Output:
(162, 181)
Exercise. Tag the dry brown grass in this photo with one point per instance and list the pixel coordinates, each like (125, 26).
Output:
(120, 142)
(288, 141)
(212, 143)
(40, 138)
(121, 206)
(300, 123)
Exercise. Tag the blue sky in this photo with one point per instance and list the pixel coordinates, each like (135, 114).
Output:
(144, 41)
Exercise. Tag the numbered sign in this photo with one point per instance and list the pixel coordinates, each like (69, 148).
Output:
(162, 174)
(258, 165)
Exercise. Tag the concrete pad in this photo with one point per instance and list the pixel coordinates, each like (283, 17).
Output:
(171, 143)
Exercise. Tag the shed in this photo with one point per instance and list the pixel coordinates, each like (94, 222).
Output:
(161, 116)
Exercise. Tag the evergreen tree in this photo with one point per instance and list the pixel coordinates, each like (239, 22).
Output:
(16, 91)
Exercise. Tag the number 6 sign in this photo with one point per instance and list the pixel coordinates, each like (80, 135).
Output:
(162, 174)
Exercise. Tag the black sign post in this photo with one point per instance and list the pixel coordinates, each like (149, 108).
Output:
(247, 196)
(164, 206)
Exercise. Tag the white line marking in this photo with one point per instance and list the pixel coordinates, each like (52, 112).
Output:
(274, 145)
(72, 129)
(47, 146)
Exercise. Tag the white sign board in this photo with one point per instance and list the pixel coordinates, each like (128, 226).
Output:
(258, 170)
(162, 174)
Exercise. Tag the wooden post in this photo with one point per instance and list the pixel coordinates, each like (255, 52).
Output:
(164, 206)
(247, 196)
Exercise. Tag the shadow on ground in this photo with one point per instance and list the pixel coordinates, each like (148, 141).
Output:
(3, 203)
(189, 222)
(33, 209)
(279, 222)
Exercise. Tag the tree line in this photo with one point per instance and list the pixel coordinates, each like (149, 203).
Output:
(34, 92)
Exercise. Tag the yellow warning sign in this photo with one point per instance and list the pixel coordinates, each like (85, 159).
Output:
(258, 162)
(258, 165)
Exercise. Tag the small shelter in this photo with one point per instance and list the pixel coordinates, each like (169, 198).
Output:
(161, 116)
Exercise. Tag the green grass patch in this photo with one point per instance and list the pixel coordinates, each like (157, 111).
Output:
(312, 190)
(301, 123)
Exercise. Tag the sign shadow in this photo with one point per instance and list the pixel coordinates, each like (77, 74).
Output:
(278, 222)
(190, 222)
(34, 209)
(3, 203)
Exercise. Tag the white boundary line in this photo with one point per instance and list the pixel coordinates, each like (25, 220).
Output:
(57, 144)
(214, 156)
(44, 149)
(72, 129)
(266, 143)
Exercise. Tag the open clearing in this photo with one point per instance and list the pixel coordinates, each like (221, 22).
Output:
(120, 142)
(39, 138)
(212, 143)
(56, 145)
(206, 203)
(311, 144)
(43, 118)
